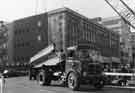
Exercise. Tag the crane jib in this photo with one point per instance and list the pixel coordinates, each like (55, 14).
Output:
(123, 10)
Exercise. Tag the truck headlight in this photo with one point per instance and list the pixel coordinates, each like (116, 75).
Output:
(57, 73)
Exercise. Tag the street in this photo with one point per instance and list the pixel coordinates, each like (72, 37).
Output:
(23, 85)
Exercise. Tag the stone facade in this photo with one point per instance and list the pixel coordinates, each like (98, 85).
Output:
(119, 26)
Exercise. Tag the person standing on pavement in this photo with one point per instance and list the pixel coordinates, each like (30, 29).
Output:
(124, 78)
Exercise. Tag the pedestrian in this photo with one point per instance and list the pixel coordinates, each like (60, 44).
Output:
(124, 78)
(124, 69)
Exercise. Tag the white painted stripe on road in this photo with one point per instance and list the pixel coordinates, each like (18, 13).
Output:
(128, 87)
(47, 91)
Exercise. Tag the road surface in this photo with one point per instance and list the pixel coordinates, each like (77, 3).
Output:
(23, 85)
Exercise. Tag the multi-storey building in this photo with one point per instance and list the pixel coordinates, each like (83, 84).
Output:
(132, 42)
(3, 43)
(27, 37)
(123, 29)
(65, 28)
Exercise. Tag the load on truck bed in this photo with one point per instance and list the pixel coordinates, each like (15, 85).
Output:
(47, 57)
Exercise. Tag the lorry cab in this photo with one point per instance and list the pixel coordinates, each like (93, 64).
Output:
(81, 68)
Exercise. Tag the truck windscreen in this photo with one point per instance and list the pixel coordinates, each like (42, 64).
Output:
(83, 54)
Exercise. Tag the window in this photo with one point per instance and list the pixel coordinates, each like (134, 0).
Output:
(60, 29)
(39, 37)
(39, 23)
(4, 45)
(60, 24)
(60, 17)
(15, 31)
(83, 53)
(71, 53)
(27, 30)
(5, 57)
(5, 34)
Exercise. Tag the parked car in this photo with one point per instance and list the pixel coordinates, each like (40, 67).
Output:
(120, 79)
(10, 73)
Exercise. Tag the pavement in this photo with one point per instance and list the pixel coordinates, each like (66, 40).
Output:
(23, 85)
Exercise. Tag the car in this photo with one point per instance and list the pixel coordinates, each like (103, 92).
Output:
(9, 73)
(120, 79)
(131, 81)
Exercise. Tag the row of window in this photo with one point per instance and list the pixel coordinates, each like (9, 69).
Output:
(80, 29)
(4, 57)
(21, 30)
(21, 58)
(23, 44)
(91, 35)
(124, 54)
(4, 45)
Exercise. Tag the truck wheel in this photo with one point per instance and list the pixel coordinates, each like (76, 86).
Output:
(99, 85)
(43, 78)
(73, 81)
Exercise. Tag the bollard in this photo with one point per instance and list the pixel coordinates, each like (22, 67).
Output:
(2, 84)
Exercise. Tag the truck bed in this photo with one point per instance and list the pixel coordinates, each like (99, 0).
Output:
(50, 62)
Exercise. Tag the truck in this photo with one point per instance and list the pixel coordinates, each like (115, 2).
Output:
(73, 67)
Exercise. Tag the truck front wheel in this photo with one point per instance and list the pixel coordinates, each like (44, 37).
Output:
(43, 78)
(73, 81)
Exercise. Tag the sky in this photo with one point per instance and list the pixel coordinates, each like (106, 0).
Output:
(15, 9)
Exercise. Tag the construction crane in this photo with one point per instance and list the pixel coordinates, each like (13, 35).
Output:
(124, 11)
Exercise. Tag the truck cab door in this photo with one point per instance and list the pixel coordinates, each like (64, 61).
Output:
(72, 63)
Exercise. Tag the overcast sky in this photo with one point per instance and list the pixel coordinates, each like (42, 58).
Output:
(14, 9)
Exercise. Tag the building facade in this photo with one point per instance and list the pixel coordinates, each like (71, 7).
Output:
(26, 38)
(65, 28)
(68, 28)
(3, 44)
(119, 26)
(132, 42)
